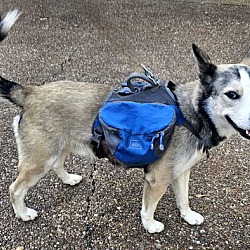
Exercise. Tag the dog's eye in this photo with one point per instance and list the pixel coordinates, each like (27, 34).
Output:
(232, 95)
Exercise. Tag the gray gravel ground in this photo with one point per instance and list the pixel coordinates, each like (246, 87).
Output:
(104, 41)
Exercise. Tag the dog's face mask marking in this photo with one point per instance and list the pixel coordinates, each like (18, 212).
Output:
(225, 95)
(236, 104)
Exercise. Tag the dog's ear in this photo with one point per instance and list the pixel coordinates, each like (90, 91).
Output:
(206, 67)
(246, 59)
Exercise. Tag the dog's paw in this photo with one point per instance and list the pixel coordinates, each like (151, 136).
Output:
(72, 179)
(193, 218)
(153, 226)
(30, 214)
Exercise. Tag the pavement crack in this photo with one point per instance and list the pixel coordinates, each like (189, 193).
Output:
(89, 229)
(63, 64)
(67, 59)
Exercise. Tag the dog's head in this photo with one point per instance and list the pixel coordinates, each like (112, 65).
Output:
(225, 94)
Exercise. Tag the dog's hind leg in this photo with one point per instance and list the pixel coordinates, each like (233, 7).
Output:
(30, 172)
(58, 167)
(180, 186)
(28, 177)
(155, 186)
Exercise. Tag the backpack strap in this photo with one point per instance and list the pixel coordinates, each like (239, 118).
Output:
(190, 127)
(181, 120)
(97, 133)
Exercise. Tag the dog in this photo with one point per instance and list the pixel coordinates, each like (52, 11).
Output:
(56, 120)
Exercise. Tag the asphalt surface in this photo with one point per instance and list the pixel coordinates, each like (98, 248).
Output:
(104, 41)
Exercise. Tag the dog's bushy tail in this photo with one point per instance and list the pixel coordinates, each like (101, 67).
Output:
(246, 59)
(7, 22)
(12, 91)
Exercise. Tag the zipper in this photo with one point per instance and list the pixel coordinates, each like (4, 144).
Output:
(160, 135)
(153, 140)
(161, 146)
(156, 136)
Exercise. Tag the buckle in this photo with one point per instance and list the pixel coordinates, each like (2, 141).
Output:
(150, 75)
(96, 138)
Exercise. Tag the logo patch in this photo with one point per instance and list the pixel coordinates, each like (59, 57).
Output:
(135, 144)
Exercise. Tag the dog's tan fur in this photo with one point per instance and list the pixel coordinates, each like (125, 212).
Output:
(56, 120)
(52, 125)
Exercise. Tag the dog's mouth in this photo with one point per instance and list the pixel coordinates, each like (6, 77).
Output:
(243, 132)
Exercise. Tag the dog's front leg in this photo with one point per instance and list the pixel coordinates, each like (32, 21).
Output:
(180, 186)
(155, 186)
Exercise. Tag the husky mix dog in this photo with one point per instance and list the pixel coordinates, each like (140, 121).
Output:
(56, 120)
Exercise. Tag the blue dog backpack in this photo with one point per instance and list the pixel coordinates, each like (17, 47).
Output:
(137, 121)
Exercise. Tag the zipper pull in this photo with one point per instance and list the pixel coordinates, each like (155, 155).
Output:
(161, 147)
(152, 141)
